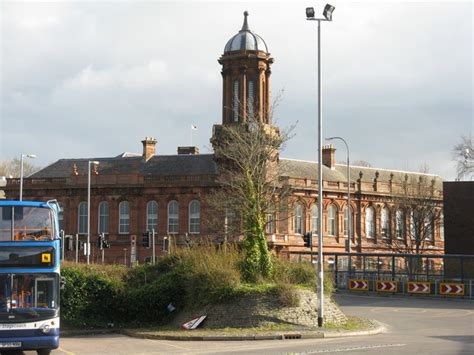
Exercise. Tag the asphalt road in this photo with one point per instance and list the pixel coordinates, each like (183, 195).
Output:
(413, 326)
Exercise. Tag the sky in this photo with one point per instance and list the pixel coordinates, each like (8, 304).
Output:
(92, 79)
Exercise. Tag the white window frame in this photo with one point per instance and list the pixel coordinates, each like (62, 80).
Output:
(152, 216)
(399, 224)
(370, 222)
(103, 220)
(346, 218)
(385, 223)
(124, 217)
(82, 218)
(314, 219)
(194, 222)
(173, 217)
(332, 220)
(299, 219)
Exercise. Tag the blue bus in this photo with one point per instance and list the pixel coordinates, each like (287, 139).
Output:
(29, 276)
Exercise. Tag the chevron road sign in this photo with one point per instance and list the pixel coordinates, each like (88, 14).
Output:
(455, 289)
(386, 286)
(359, 285)
(419, 287)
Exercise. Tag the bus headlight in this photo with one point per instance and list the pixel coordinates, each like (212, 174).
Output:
(45, 328)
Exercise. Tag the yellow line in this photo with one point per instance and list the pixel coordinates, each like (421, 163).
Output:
(65, 351)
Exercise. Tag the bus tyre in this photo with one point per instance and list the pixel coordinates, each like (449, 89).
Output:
(43, 351)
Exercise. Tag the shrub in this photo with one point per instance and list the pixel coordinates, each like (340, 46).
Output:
(287, 295)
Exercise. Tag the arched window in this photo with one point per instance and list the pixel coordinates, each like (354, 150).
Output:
(369, 222)
(314, 219)
(385, 222)
(82, 218)
(173, 217)
(103, 226)
(332, 220)
(270, 227)
(400, 224)
(250, 99)
(235, 101)
(299, 219)
(124, 217)
(346, 221)
(428, 227)
(194, 216)
(152, 216)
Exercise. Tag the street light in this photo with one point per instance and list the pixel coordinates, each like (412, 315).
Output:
(349, 214)
(32, 156)
(90, 163)
(328, 10)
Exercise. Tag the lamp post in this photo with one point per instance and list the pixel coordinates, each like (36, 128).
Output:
(349, 214)
(327, 13)
(90, 163)
(32, 156)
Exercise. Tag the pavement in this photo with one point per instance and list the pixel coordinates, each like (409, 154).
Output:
(220, 335)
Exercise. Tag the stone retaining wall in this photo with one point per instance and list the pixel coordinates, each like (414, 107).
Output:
(265, 310)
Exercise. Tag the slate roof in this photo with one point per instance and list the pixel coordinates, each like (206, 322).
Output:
(204, 164)
(307, 169)
(125, 164)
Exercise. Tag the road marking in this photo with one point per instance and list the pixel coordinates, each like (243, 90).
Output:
(356, 348)
(65, 351)
(172, 345)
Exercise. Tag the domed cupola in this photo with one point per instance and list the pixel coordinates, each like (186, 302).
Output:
(246, 40)
(246, 77)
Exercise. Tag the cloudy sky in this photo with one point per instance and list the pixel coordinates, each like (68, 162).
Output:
(92, 79)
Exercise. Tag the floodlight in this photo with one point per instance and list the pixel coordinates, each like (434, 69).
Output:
(327, 13)
(310, 12)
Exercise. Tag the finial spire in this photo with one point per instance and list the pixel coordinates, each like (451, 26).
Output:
(245, 26)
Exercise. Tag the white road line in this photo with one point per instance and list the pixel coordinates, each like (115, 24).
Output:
(356, 348)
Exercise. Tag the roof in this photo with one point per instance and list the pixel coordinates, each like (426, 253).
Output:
(246, 40)
(308, 169)
(157, 165)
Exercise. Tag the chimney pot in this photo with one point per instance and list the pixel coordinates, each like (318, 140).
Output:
(188, 150)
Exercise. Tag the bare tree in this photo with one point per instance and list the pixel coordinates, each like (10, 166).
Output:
(463, 154)
(417, 217)
(12, 168)
(249, 188)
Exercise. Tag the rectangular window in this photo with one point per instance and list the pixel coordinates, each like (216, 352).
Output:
(270, 224)
(235, 101)
(250, 99)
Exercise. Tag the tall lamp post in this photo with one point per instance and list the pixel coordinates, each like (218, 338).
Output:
(349, 214)
(32, 156)
(327, 13)
(88, 248)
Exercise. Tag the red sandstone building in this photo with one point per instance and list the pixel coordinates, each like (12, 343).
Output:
(133, 193)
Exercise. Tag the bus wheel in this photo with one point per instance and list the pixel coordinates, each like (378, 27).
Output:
(43, 351)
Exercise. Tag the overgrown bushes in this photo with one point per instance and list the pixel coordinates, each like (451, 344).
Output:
(97, 295)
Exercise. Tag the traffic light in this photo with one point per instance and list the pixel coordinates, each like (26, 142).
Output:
(146, 239)
(105, 244)
(68, 242)
(308, 240)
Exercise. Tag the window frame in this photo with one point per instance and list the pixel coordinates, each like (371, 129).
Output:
(82, 225)
(172, 217)
(299, 218)
(332, 221)
(103, 217)
(192, 223)
(124, 218)
(152, 216)
(371, 225)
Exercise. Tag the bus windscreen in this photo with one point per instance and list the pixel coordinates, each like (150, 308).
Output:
(24, 223)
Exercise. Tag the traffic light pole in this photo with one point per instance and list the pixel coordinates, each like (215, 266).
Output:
(77, 248)
(153, 245)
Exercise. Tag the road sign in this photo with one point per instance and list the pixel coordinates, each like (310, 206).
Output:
(193, 323)
(359, 285)
(386, 286)
(419, 287)
(455, 289)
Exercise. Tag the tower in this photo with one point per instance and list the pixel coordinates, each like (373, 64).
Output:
(246, 77)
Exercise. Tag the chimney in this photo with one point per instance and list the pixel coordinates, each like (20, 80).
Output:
(148, 147)
(329, 156)
(188, 150)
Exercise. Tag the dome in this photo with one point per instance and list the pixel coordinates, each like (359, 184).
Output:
(246, 40)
